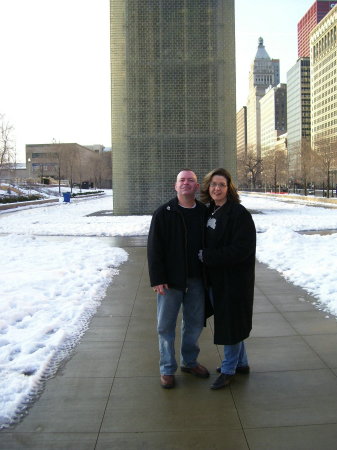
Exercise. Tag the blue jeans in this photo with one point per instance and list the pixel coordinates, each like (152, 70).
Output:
(234, 355)
(193, 307)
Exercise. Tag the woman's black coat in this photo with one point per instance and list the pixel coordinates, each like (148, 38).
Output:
(229, 257)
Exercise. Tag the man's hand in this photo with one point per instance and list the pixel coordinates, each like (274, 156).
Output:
(160, 288)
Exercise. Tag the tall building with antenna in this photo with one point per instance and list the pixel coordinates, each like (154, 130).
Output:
(264, 72)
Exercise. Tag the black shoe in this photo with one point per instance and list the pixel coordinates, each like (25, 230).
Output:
(222, 381)
(244, 370)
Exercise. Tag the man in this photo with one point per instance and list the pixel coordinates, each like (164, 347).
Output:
(175, 237)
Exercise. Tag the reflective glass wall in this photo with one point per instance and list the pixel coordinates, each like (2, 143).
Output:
(173, 95)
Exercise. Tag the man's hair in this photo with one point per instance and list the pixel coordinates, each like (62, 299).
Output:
(187, 170)
(232, 194)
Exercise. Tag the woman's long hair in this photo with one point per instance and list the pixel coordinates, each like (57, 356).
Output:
(232, 194)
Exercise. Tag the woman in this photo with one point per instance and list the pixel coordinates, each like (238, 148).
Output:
(229, 258)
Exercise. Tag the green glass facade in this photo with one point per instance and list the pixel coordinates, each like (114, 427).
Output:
(173, 96)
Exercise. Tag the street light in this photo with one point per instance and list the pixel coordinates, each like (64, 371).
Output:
(29, 167)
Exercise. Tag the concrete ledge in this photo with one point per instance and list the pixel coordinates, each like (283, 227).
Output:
(308, 198)
(5, 206)
(83, 197)
(29, 203)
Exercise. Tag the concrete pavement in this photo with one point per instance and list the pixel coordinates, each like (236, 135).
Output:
(108, 395)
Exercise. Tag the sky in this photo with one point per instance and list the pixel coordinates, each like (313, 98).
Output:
(46, 310)
(55, 63)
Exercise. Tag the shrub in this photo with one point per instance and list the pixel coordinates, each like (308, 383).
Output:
(19, 198)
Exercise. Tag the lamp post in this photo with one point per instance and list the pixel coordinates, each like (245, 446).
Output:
(29, 168)
(29, 173)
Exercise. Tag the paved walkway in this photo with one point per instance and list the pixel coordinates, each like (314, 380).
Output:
(108, 396)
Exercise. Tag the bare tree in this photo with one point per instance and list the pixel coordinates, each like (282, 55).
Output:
(106, 169)
(275, 169)
(249, 168)
(307, 158)
(326, 149)
(7, 146)
(242, 171)
(71, 161)
(54, 162)
(102, 168)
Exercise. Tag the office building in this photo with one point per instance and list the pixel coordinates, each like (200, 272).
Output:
(241, 132)
(323, 46)
(273, 109)
(70, 161)
(241, 147)
(298, 113)
(323, 57)
(173, 96)
(312, 17)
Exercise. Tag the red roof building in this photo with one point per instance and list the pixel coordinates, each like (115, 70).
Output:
(311, 18)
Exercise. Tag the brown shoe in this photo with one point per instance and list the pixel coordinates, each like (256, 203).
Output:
(199, 371)
(167, 381)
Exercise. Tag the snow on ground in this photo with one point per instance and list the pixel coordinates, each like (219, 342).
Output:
(70, 219)
(50, 286)
(309, 261)
(49, 291)
(56, 263)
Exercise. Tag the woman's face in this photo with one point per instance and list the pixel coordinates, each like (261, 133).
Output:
(218, 189)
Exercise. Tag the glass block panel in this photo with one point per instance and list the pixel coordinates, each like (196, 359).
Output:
(173, 95)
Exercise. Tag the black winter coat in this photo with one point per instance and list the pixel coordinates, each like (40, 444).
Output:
(166, 245)
(229, 257)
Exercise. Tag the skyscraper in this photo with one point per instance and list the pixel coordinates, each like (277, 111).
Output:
(308, 22)
(241, 132)
(273, 107)
(265, 72)
(323, 58)
(173, 95)
(298, 113)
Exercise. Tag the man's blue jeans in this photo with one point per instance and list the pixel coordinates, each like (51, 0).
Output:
(193, 307)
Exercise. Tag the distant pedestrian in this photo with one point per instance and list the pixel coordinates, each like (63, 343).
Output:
(175, 236)
(229, 257)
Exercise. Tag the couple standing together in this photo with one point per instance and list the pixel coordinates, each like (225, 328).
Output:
(201, 258)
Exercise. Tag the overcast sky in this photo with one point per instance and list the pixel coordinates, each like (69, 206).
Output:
(55, 70)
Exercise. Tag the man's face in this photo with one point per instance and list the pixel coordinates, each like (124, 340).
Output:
(186, 183)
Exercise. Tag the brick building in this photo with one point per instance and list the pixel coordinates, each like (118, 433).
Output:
(69, 161)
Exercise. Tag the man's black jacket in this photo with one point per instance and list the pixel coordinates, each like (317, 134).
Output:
(167, 243)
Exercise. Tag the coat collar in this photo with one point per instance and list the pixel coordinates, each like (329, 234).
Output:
(173, 204)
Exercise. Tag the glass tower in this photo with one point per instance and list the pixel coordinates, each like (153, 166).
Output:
(173, 96)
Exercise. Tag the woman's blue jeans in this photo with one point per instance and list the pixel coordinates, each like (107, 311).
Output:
(193, 307)
(234, 356)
